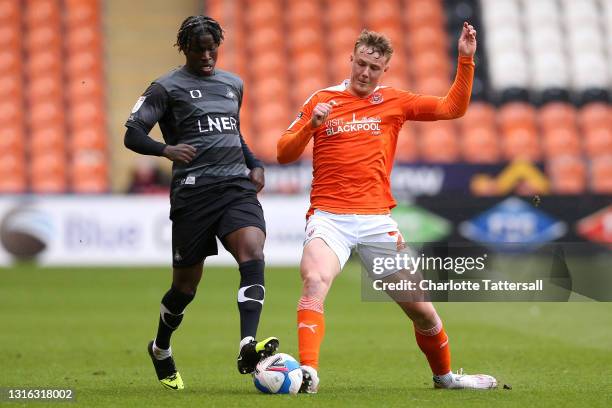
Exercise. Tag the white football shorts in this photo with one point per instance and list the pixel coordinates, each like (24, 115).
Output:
(344, 232)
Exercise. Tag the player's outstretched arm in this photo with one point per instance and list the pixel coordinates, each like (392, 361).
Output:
(456, 101)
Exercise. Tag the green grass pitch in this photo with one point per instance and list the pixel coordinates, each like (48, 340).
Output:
(87, 329)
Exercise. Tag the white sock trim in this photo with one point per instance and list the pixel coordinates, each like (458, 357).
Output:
(244, 341)
(160, 353)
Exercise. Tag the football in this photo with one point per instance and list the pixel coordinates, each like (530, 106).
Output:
(278, 374)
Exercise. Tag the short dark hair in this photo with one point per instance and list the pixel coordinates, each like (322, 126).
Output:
(195, 26)
(378, 42)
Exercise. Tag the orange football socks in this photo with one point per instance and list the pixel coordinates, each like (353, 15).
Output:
(311, 329)
(434, 344)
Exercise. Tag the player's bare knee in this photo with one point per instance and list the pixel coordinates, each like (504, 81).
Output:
(315, 284)
(251, 253)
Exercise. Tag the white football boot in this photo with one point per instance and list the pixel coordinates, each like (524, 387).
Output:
(310, 380)
(464, 381)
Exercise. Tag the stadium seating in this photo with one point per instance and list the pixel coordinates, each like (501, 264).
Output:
(541, 90)
(521, 109)
(45, 92)
(86, 95)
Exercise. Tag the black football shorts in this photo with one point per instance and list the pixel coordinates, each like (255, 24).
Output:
(196, 226)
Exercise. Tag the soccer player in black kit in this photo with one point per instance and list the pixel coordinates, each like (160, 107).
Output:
(215, 180)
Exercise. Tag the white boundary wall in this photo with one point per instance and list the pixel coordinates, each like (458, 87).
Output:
(131, 230)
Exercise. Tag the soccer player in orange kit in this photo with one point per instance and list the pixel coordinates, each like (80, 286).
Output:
(355, 126)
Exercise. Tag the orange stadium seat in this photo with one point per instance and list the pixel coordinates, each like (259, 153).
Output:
(39, 12)
(426, 39)
(480, 145)
(79, 12)
(304, 38)
(428, 64)
(521, 143)
(89, 138)
(83, 37)
(12, 138)
(302, 12)
(267, 37)
(517, 115)
(47, 139)
(393, 31)
(595, 115)
(406, 150)
(479, 114)
(11, 86)
(48, 173)
(10, 112)
(10, 61)
(84, 62)
(561, 141)
(396, 79)
(438, 142)
(567, 174)
(216, 9)
(382, 13)
(306, 87)
(84, 87)
(12, 172)
(423, 13)
(46, 112)
(44, 88)
(308, 63)
(44, 62)
(557, 115)
(342, 13)
(267, 63)
(267, 140)
(598, 141)
(263, 13)
(601, 175)
(89, 172)
(432, 85)
(273, 111)
(272, 88)
(87, 113)
(341, 39)
(43, 37)
(10, 10)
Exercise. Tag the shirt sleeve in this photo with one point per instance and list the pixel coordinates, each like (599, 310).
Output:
(294, 140)
(451, 106)
(149, 108)
(138, 141)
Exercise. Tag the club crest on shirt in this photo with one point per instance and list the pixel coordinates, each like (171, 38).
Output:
(376, 98)
(230, 94)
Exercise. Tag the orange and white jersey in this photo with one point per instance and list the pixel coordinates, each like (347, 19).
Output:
(354, 148)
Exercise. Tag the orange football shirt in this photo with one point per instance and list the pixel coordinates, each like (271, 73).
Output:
(354, 148)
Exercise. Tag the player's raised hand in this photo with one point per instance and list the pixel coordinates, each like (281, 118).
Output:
(467, 40)
(320, 113)
(182, 153)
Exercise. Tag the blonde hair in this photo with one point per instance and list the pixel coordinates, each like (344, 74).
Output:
(377, 41)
